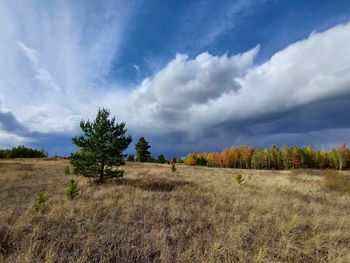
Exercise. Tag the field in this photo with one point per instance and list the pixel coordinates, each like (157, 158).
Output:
(196, 214)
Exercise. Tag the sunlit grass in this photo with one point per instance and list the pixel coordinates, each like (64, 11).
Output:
(197, 214)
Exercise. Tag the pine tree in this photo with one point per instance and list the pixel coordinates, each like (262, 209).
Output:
(141, 148)
(100, 147)
(161, 159)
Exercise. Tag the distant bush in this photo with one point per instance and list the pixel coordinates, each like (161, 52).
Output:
(179, 160)
(150, 159)
(22, 152)
(161, 159)
(72, 190)
(335, 181)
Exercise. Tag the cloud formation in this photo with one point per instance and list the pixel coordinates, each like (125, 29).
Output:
(166, 99)
(55, 64)
(210, 90)
(54, 58)
(41, 74)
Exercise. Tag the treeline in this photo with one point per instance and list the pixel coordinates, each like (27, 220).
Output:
(22, 152)
(144, 155)
(294, 157)
(151, 159)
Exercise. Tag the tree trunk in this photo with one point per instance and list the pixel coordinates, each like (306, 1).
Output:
(102, 172)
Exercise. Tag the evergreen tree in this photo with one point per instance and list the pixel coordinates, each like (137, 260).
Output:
(100, 147)
(22, 152)
(141, 148)
(161, 159)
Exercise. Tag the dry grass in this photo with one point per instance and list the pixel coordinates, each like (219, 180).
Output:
(197, 214)
(336, 181)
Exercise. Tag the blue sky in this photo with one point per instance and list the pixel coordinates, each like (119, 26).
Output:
(164, 28)
(187, 75)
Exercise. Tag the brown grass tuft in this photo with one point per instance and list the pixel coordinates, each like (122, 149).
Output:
(336, 181)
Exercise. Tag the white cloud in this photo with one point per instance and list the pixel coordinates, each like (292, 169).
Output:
(40, 73)
(203, 91)
(186, 82)
(136, 67)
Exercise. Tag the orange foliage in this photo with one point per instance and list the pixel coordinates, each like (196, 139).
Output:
(191, 159)
(273, 158)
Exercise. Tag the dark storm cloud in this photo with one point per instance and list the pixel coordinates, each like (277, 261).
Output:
(327, 114)
(322, 125)
(8, 122)
(54, 143)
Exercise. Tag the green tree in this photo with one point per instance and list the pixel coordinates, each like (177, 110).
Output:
(161, 159)
(141, 148)
(100, 147)
(22, 152)
(72, 189)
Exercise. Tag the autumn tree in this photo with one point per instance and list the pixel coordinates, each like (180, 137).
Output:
(100, 147)
(191, 159)
(295, 156)
(141, 148)
(273, 158)
(246, 156)
(339, 156)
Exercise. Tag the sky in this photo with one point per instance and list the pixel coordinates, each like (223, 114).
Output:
(187, 75)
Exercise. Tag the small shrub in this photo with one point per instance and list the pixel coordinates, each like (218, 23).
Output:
(72, 190)
(239, 179)
(66, 170)
(173, 168)
(336, 181)
(40, 199)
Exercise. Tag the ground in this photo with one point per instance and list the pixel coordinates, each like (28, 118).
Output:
(196, 214)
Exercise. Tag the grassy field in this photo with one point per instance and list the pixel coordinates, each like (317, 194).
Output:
(197, 214)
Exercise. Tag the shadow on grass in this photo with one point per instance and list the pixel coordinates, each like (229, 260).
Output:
(153, 184)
